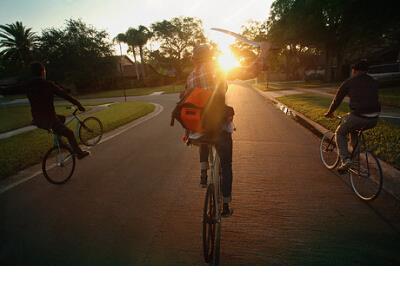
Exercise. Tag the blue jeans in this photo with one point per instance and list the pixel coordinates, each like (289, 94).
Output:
(350, 125)
(224, 150)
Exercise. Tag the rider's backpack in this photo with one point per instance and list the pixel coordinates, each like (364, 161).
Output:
(190, 109)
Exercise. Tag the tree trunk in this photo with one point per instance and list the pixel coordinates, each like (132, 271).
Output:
(142, 63)
(136, 66)
(328, 64)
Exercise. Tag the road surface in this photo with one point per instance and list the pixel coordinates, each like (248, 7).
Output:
(136, 201)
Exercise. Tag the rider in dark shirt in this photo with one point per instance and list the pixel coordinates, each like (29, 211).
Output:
(41, 94)
(364, 104)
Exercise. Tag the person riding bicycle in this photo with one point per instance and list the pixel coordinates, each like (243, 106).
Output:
(40, 93)
(217, 119)
(365, 108)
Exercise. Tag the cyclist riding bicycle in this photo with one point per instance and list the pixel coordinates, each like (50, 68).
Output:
(365, 108)
(41, 94)
(217, 119)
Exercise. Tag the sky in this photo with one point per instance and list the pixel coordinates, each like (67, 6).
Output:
(118, 15)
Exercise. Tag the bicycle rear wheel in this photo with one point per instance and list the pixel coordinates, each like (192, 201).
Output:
(90, 131)
(210, 225)
(366, 176)
(58, 164)
(218, 202)
(328, 151)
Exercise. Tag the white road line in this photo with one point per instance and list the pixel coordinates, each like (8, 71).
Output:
(158, 109)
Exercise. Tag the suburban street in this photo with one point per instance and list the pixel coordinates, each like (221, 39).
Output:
(136, 201)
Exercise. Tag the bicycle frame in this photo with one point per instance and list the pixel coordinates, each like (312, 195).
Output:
(57, 144)
(215, 179)
(355, 155)
(78, 124)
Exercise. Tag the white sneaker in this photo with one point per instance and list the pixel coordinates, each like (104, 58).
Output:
(344, 166)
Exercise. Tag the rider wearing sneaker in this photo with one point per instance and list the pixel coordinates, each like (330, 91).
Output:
(41, 93)
(365, 108)
(206, 76)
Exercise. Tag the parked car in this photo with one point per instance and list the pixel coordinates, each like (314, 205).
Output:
(386, 73)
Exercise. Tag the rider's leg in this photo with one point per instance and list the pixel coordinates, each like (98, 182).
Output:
(351, 124)
(341, 134)
(203, 151)
(224, 149)
(60, 129)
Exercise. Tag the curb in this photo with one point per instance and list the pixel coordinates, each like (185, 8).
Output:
(391, 176)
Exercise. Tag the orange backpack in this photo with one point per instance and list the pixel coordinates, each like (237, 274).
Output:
(189, 110)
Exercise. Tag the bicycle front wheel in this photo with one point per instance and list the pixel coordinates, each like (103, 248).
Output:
(58, 164)
(210, 224)
(328, 151)
(366, 176)
(90, 131)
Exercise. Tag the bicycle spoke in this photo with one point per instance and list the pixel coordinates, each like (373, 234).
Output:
(366, 176)
(328, 151)
(58, 165)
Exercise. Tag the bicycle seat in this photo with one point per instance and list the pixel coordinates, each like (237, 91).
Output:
(202, 139)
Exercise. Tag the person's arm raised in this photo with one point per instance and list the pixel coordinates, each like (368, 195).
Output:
(62, 92)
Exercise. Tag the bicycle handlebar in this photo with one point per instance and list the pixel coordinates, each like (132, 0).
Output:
(75, 107)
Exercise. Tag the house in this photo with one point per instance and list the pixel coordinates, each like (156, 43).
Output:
(127, 65)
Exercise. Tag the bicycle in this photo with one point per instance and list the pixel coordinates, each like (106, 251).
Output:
(89, 132)
(365, 171)
(212, 207)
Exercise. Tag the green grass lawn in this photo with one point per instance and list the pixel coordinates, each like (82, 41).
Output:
(390, 96)
(134, 92)
(384, 139)
(263, 87)
(24, 150)
(20, 116)
(115, 93)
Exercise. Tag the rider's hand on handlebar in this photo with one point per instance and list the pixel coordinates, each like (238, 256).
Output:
(329, 115)
(81, 108)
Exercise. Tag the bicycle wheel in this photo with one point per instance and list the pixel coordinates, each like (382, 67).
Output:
(90, 131)
(328, 151)
(219, 201)
(366, 176)
(209, 224)
(58, 164)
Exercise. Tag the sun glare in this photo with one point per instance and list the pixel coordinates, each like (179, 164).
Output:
(227, 61)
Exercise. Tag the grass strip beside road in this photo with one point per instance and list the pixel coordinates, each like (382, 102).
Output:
(14, 117)
(388, 96)
(134, 92)
(167, 89)
(23, 150)
(383, 140)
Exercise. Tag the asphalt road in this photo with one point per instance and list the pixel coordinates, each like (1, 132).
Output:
(136, 201)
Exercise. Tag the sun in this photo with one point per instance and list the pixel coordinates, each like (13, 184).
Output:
(227, 61)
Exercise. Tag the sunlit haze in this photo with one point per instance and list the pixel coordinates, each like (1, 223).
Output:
(118, 15)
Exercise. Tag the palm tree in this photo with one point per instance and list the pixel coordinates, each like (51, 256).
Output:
(17, 43)
(121, 38)
(143, 35)
(133, 41)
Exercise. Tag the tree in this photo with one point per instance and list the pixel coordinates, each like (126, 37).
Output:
(177, 38)
(17, 43)
(132, 39)
(342, 30)
(252, 30)
(143, 35)
(76, 54)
